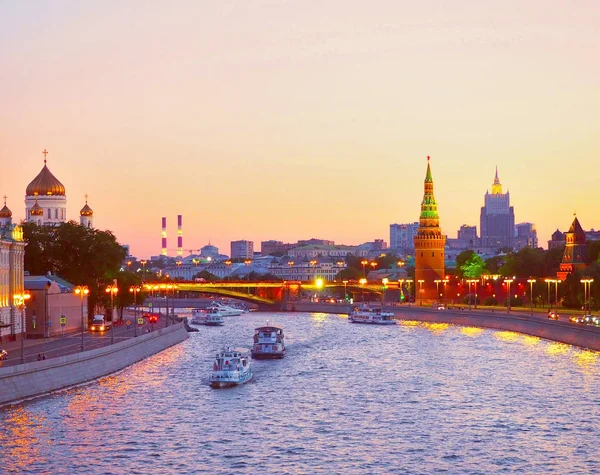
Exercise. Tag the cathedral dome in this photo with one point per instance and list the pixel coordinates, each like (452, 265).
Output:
(86, 211)
(5, 212)
(36, 210)
(45, 184)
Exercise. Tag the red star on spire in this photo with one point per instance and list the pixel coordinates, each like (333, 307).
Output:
(428, 157)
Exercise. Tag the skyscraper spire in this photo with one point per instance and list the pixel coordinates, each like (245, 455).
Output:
(496, 187)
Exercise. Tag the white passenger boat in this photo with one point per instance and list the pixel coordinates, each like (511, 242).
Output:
(211, 316)
(268, 342)
(227, 310)
(230, 368)
(366, 314)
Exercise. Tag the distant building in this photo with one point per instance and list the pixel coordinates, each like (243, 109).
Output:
(497, 221)
(45, 199)
(242, 249)
(402, 236)
(209, 251)
(429, 244)
(317, 242)
(274, 247)
(468, 234)
(525, 236)
(575, 256)
(557, 241)
(12, 254)
(307, 270)
(314, 251)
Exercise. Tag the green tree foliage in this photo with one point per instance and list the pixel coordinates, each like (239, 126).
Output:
(80, 255)
(349, 273)
(473, 268)
(530, 262)
(461, 260)
(207, 276)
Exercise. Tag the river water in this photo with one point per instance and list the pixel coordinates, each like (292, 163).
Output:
(347, 398)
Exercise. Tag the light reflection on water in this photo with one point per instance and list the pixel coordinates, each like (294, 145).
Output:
(348, 398)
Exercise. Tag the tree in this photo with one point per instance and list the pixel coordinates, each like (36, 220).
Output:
(473, 268)
(461, 260)
(207, 276)
(80, 255)
(349, 273)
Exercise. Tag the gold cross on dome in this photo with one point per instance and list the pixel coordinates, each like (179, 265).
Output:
(86, 197)
(45, 152)
(5, 199)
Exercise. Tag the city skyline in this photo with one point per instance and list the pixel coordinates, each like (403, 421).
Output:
(259, 121)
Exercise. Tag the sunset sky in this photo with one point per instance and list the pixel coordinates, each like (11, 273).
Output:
(289, 120)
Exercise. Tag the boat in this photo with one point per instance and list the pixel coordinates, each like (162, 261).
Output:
(227, 310)
(231, 368)
(211, 316)
(366, 314)
(268, 342)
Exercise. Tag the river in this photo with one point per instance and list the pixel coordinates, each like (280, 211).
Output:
(348, 398)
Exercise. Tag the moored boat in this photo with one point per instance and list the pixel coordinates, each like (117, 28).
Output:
(211, 317)
(366, 314)
(227, 310)
(269, 342)
(231, 368)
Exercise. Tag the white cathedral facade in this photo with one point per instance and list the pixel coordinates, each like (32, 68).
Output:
(45, 204)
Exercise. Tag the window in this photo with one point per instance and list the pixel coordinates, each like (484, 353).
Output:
(433, 254)
(49, 213)
(421, 253)
(55, 213)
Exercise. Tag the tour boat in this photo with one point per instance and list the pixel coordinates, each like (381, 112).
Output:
(268, 342)
(230, 368)
(365, 314)
(227, 310)
(211, 316)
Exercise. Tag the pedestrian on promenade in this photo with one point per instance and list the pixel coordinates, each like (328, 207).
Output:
(39, 357)
(43, 356)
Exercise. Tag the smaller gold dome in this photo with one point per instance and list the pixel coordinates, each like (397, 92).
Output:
(86, 211)
(5, 212)
(36, 210)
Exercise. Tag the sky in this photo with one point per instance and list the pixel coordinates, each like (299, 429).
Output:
(288, 120)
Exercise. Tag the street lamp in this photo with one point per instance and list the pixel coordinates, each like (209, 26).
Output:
(19, 301)
(135, 289)
(421, 282)
(112, 289)
(362, 283)
(384, 283)
(549, 281)
(556, 282)
(319, 283)
(587, 296)
(228, 264)
(437, 289)
(531, 282)
(364, 262)
(82, 291)
(508, 282)
(445, 281)
(474, 282)
(345, 292)
(143, 262)
(408, 284)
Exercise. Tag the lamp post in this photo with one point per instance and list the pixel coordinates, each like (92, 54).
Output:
(445, 281)
(19, 301)
(143, 262)
(556, 282)
(82, 291)
(421, 282)
(531, 282)
(112, 289)
(549, 281)
(400, 288)
(364, 263)
(508, 282)
(587, 295)
(228, 264)
(437, 289)
(135, 289)
(474, 282)
(248, 262)
(362, 283)
(384, 283)
(408, 284)
(469, 292)
(345, 292)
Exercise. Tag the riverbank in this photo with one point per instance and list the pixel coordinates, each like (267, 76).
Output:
(38, 378)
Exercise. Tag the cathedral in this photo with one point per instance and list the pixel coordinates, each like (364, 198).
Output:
(45, 204)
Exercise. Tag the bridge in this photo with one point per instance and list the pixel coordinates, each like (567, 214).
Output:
(268, 295)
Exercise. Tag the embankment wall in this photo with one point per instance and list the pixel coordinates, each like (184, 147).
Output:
(42, 377)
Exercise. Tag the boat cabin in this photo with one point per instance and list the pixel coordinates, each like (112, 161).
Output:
(268, 334)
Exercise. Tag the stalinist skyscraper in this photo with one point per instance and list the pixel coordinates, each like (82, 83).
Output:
(429, 245)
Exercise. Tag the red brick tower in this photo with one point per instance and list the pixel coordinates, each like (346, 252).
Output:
(429, 245)
(575, 256)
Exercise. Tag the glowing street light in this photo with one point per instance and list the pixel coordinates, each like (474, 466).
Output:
(345, 292)
(408, 284)
(508, 282)
(445, 281)
(587, 283)
(112, 290)
(421, 282)
(549, 281)
(531, 282)
(384, 283)
(437, 289)
(364, 263)
(474, 282)
(19, 301)
(143, 262)
(135, 289)
(362, 283)
(82, 291)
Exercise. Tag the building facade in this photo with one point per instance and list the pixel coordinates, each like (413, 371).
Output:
(429, 244)
(12, 255)
(497, 221)
(275, 247)
(525, 236)
(45, 198)
(307, 271)
(242, 249)
(402, 236)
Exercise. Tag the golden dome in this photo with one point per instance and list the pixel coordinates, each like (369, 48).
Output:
(5, 212)
(45, 184)
(86, 211)
(36, 210)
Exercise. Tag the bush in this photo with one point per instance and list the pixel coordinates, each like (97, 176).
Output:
(490, 301)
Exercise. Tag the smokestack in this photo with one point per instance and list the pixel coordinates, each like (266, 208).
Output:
(164, 237)
(179, 236)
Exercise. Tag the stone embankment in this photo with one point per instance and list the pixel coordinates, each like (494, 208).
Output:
(30, 380)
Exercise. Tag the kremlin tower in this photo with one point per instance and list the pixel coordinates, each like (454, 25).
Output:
(429, 245)
(575, 256)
